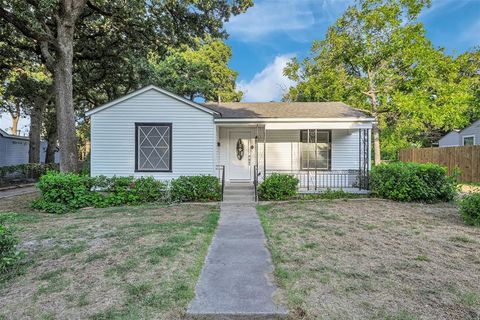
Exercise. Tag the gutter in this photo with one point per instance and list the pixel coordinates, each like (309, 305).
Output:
(266, 120)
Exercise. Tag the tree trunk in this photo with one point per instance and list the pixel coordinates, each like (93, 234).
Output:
(64, 98)
(375, 127)
(52, 137)
(376, 142)
(36, 119)
(15, 119)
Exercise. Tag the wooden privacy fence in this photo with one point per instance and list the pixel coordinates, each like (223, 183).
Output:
(466, 158)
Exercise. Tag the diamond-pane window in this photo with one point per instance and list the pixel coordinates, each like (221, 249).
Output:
(153, 146)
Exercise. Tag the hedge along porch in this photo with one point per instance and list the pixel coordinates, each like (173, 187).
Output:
(152, 132)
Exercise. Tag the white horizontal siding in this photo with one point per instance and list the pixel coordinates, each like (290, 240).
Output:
(113, 136)
(222, 149)
(452, 139)
(13, 151)
(472, 130)
(345, 149)
(283, 150)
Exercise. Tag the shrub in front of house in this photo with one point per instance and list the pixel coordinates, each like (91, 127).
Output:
(470, 209)
(9, 255)
(278, 186)
(410, 181)
(64, 192)
(128, 190)
(196, 188)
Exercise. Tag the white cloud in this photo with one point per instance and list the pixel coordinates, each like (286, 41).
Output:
(471, 33)
(438, 6)
(290, 17)
(269, 84)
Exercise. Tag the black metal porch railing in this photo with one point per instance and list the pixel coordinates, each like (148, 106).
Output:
(334, 179)
(255, 181)
(221, 176)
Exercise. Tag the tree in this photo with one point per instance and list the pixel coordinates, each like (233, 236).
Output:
(55, 24)
(435, 97)
(363, 58)
(51, 133)
(10, 103)
(199, 71)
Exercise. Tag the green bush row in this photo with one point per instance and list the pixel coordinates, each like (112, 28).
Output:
(470, 209)
(401, 181)
(64, 192)
(196, 188)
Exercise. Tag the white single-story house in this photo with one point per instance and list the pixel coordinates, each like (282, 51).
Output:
(469, 136)
(153, 132)
(14, 149)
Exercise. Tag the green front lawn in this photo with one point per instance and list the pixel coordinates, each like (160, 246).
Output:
(373, 259)
(115, 263)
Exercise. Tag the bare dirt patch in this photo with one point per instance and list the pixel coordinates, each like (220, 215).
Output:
(123, 262)
(374, 259)
(468, 188)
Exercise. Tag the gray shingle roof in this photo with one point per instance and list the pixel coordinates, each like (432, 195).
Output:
(286, 110)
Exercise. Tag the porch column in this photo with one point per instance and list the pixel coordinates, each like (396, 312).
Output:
(264, 152)
(256, 147)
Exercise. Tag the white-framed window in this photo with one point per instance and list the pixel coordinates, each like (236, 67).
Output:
(315, 149)
(153, 147)
(468, 140)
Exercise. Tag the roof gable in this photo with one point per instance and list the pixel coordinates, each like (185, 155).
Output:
(459, 132)
(473, 125)
(145, 89)
(11, 136)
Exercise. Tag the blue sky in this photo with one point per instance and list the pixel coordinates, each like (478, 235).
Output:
(273, 31)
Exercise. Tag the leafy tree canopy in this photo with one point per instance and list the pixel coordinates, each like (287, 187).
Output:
(377, 57)
(197, 72)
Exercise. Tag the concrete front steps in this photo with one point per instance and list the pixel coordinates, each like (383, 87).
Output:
(239, 192)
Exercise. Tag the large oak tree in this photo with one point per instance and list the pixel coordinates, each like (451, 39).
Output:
(54, 26)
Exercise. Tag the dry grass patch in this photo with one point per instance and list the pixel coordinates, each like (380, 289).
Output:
(114, 263)
(374, 259)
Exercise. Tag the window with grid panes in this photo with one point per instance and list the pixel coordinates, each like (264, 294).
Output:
(315, 149)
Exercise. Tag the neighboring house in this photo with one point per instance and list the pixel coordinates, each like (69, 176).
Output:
(14, 149)
(466, 137)
(152, 132)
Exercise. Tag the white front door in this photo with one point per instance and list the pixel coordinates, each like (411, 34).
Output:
(240, 155)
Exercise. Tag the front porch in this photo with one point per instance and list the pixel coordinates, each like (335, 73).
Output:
(322, 155)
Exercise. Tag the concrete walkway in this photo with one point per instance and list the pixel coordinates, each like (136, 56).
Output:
(235, 280)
